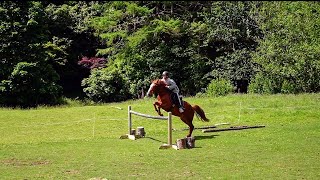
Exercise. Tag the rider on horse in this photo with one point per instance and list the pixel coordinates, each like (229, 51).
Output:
(174, 88)
(164, 101)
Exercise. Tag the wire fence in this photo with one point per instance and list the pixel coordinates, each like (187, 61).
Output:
(111, 118)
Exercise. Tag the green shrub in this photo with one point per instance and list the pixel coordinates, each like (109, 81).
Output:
(104, 85)
(288, 87)
(219, 87)
(289, 53)
(263, 83)
(258, 84)
(30, 85)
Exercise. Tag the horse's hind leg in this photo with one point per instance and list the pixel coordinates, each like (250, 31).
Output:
(188, 121)
(187, 118)
(191, 127)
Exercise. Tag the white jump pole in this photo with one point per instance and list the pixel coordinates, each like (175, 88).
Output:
(133, 136)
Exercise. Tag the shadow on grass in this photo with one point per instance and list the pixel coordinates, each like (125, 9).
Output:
(205, 137)
(154, 139)
(196, 138)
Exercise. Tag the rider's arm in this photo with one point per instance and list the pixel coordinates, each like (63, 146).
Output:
(171, 84)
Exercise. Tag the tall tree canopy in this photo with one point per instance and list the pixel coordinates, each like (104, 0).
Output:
(196, 41)
(289, 53)
(27, 76)
(110, 51)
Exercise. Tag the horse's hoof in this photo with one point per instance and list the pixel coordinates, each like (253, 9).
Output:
(160, 114)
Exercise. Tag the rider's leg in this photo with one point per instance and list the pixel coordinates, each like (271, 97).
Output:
(173, 99)
(179, 102)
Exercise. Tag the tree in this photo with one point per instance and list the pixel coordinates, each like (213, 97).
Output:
(289, 53)
(29, 85)
(72, 39)
(193, 40)
(27, 77)
(105, 85)
(230, 37)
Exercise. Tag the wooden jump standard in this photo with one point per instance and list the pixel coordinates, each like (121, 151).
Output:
(132, 136)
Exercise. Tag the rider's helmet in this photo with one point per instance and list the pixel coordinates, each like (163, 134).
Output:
(165, 73)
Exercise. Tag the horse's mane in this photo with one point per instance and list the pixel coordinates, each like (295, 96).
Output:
(159, 82)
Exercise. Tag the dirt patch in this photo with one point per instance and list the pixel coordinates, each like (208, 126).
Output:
(38, 163)
(17, 162)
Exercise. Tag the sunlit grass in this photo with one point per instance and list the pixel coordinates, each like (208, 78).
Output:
(81, 142)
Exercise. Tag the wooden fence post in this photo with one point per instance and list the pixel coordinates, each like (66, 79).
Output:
(129, 120)
(170, 128)
(133, 136)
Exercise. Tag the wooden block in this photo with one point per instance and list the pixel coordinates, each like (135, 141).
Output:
(181, 143)
(133, 131)
(175, 147)
(124, 136)
(168, 146)
(140, 131)
(132, 137)
(190, 142)
(165, 146)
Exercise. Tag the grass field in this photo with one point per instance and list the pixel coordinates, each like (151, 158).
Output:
(82, 142)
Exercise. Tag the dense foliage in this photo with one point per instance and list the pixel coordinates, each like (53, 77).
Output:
(219, 87)
(110, 51)
(289, 54)
(27, 77)
(195, 41)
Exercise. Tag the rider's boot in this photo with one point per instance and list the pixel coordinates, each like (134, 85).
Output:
(179, 103)
(181, 108)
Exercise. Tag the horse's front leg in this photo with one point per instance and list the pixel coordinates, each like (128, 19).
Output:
(155, 104)
(155, 107)
(160, 114)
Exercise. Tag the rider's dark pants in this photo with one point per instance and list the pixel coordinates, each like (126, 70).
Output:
(177, 100)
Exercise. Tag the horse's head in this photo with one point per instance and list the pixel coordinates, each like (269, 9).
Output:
(156, 86)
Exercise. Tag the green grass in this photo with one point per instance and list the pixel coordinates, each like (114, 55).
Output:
(59, 142)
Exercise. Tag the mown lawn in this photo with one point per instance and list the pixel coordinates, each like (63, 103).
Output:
(82, 142)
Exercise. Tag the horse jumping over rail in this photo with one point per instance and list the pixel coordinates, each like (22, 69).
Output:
(164, 102)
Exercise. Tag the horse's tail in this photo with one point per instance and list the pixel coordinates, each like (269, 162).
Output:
(200, 113)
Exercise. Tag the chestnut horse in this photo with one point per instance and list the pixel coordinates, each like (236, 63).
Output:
(164, 102)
